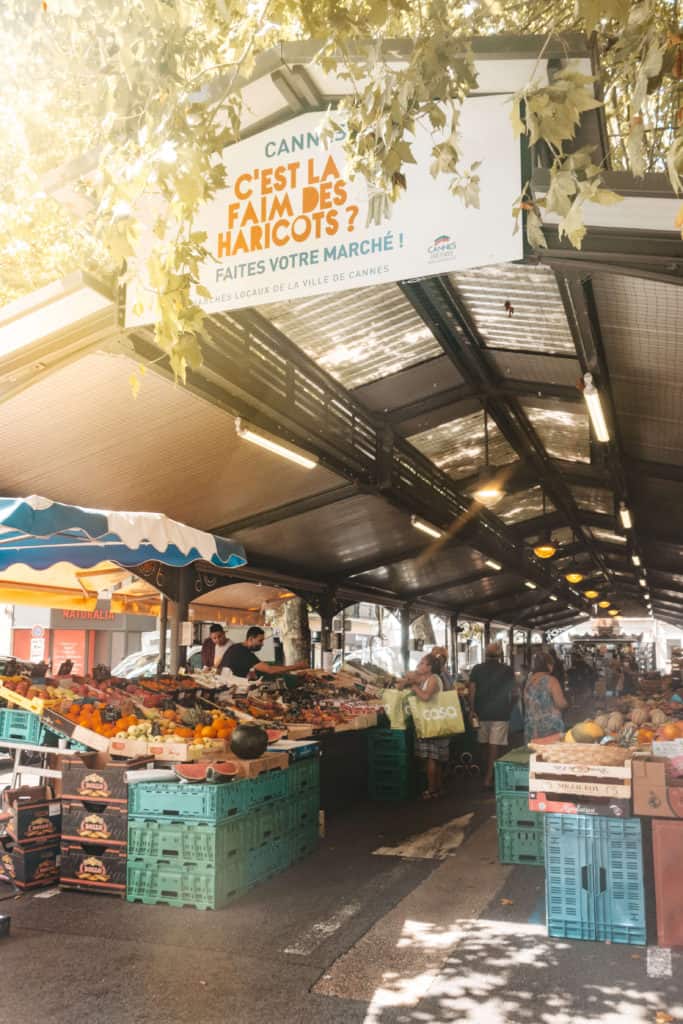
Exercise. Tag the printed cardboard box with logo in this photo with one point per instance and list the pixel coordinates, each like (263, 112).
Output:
(655, 793)
(29, 869)
(91, 822)
(34, 817)
(104, 782)
(92, 868)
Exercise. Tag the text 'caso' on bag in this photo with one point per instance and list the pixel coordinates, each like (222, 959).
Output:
(440, 716)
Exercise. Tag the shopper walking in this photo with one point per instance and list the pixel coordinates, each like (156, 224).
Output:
(544, 701)
(492, 690)
(425, 683)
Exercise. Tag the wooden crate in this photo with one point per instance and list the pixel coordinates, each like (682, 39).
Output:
(580, 780)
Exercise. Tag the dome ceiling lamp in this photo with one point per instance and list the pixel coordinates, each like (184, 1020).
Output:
(488, 489)
(545, 547)
(604, 604)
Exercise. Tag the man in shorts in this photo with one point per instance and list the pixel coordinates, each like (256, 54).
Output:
(492, 685)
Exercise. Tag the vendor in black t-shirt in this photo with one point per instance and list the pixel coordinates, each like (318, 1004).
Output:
(242, 659)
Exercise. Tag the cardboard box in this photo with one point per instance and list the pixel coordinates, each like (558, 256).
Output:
(575, 783)
(667, 748)
(30, 869)
(65, 727)
(87, 822)
(177, 751)
(35, 818)
(89, 868)
(104, 782)
(56, 763)
(653, 795)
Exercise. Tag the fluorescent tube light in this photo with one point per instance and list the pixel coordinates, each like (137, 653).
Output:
(249, 433)
(553, 598)
(425, 527)
(529, 584)
(635, 559)
(595, 410)
(493, 564)
(625, 517)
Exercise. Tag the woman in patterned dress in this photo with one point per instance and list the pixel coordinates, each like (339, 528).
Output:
(426, 683)
(544, 701)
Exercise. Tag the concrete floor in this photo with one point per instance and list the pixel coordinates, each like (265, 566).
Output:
(398, 941)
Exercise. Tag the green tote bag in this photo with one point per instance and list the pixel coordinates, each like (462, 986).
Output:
(439, 717)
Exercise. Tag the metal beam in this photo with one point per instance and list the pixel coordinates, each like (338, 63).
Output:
(289, 510)
(439, 303)
(464, 581)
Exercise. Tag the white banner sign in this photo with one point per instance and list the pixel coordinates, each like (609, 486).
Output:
(291, 224)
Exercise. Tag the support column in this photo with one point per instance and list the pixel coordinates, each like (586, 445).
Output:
(487, 636)
(528, 647)
(181, 610)
(163, 626)
(511, 643)
(453, 632)
(405, 637)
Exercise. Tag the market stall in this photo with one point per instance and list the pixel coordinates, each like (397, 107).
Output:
(591, 806)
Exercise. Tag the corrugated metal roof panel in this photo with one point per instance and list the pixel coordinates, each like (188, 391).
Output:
(541, 369)
(359, 335)
(594, 499)
(458, 447)
(641, 325)
(607, 535)
(563, 429)
(515, 508)
(538, 321)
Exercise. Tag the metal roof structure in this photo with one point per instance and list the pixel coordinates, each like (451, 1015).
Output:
(386, 387)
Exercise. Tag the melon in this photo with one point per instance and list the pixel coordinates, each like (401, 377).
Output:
(602, 721)
(587, 732)
(191, 772)
(639, 716)
(249, 742)
(658, 717)
(614, 721)
(225, 769)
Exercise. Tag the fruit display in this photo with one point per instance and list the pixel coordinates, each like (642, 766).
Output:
(639, 723)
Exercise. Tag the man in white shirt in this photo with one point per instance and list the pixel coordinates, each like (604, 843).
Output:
(214, 647)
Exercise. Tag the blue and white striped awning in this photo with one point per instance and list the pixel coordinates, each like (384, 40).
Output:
(39, 533)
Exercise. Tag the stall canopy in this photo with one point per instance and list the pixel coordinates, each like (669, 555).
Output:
(65, 556)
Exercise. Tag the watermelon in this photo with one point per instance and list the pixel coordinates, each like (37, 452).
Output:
(249, 742)
(224, 769)
(274, 735)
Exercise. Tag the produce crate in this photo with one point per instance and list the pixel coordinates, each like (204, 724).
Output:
(512, 812)
(265, 787)
(303, 845)
(264, 825)
(303, 812)
(88, 867)
(203, 888)
(303, 776)
(177, 843)
(389, 741)
(84, 821)
(200, 801)
(667, 849)
(267, 861)
(595, 878)
(390, 786)
(30, 869)
(512, 772)
(520, 846)
(18, 726)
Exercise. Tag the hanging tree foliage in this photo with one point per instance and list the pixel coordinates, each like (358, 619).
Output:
(151, 90)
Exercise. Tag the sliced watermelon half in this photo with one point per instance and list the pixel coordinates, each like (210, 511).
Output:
(225, 769)
(192, 772)
(275, 734)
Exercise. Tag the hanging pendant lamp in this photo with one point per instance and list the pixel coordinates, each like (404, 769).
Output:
(488, 489)
(546, 546)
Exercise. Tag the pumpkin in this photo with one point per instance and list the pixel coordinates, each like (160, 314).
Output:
(249, 742)
(658, 717)
(639, 716)
(587, 732)
(614, 722)
(668, 732)
(568, 738)
(645, 735)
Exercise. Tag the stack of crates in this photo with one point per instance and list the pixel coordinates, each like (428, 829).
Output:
(520, 831)
(391, 765)
(18, 726)
(595, 878)
(203, 844)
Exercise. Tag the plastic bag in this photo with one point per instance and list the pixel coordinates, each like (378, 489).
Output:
(440, 716)
(394, 702)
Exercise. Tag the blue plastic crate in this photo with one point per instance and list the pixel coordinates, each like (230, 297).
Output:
(267, 861)
(595, 878)
(266, 787)
(266, 824)
(303, 813)
(303, 776)
(520, 846)
(203, 801)
(512, 811)
(18, 726)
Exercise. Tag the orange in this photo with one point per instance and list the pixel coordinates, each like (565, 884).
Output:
(209, 731)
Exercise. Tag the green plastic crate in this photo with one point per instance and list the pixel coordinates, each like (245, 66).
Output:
(389, 741)
(520, 846)
(203, 888)
(303, 813)
(266, 824)
(195, 843)
(266, 787)
(512, 772)
(201, 801)
(303, 776)
(512, 812)
(303, 845)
